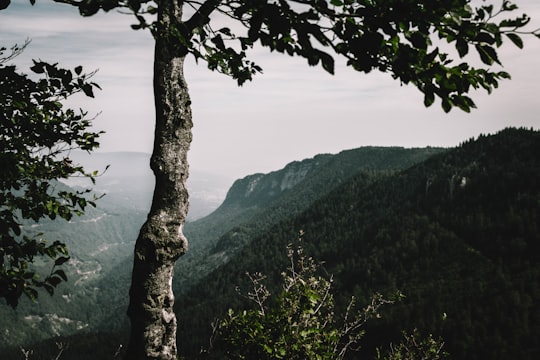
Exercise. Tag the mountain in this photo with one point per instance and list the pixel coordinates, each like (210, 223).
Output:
(457, 233)
(95, 298)
(256, 202)
(252, 206)
(455, 230)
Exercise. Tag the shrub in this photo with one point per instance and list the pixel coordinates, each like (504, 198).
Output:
(301, 323)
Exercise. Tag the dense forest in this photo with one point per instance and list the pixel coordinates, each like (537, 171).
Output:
(458, 234)
(456, 231)
(252, 206)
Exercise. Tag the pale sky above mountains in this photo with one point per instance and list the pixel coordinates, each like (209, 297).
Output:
(290, 112)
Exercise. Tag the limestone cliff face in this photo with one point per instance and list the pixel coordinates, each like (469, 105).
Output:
(259, 189)
(279, 195)
(319, 174)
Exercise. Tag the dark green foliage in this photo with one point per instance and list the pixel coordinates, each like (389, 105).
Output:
(36, 135)
(414, 347)
(396, 37)
(457, 234)
(97, 242)
(301, 322)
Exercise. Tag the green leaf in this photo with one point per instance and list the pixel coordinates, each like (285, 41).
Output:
(492, 28)
(53, 280)
(462, 47)
(429, 98)
(31, 293)
(61, 273)
(327, 62)
(88, 91)
(38, 68)
(49, 288)
(516, 39)
(446, 105)
(488, 55)
(267, 348)
(61, 260)
(29, 275)
(485, 38)
(225, 31)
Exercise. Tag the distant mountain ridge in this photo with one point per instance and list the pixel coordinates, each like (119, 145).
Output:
(261, 188)
(256, 202)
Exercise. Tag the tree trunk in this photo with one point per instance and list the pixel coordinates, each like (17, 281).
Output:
(161, 242)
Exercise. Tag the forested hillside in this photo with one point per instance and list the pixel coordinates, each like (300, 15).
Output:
(255, 203)
(104, 239)
(458, 234)
(252, 207)
(457, 231)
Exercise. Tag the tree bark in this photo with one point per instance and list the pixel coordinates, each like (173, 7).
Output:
(161, 242)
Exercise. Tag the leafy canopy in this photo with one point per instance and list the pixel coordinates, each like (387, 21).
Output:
(401, 37)
(36, 135)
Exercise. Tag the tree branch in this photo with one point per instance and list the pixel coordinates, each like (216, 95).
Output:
(202, 15)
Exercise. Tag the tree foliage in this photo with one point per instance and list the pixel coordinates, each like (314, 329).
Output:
(404, 38)
(36, 135)
(301, 321)
(414, 347)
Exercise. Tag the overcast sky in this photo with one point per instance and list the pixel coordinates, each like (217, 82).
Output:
(289, 113)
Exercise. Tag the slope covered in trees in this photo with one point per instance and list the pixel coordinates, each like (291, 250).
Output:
(255, 203)
(457, 234)
(100, 242)
(252, 206)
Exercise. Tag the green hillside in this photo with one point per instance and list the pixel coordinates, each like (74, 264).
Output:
(255, 203)
(457, 231)
(458, 234)
(244, 215)
(252, 207)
